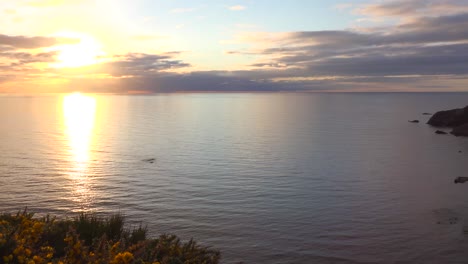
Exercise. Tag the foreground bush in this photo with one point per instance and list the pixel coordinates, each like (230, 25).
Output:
(89, 239)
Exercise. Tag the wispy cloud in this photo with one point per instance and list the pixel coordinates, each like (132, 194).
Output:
(147, 37)
(142, 64)
(33, 42)
(344, 6)
(237, 8)
(22, 58)
(412, 8)
(9, 11)
(52, 3)
(427, 46)
(183, 10)
(247, 26)
(420, 48)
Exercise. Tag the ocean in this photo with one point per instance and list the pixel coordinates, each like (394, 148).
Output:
(263, 177)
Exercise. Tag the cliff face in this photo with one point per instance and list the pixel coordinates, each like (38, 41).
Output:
(455, 118)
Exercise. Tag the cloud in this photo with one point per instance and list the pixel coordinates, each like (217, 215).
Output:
(416, 51)
(141, 64)
(22, 66)
(412, 8)
(394, 8)
(165, 82)
(343, 6)
(120, 72)
(131, 65)
(22, 58)
(183, 10)
(247, 26)
(424, 48)
(147, 37)
(33, 42)
(237, 8)
(10, 11)
(53, 3)
(430, 30)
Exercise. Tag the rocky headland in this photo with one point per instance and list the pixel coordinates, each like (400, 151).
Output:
(456, 119)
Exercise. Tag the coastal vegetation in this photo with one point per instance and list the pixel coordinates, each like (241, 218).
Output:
(88, 238)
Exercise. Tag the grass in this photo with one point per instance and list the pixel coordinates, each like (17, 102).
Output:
(91, 239)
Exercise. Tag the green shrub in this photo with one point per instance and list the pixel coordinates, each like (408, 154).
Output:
(90, 239)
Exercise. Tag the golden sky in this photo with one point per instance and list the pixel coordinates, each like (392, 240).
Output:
(246, 45)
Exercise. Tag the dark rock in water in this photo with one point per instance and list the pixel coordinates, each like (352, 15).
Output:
(461, 180)
(149, 160)
(460, 131)
(449, 118)
(427, 114)
(460, 151)
(445, 216)
(440, 132)
(465, 229)
(413, 121)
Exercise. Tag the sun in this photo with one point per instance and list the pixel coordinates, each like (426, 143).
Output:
(86, 52)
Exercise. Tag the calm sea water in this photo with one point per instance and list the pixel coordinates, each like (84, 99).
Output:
(265, 178)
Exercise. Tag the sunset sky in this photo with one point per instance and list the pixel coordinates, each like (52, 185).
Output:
(141, 46)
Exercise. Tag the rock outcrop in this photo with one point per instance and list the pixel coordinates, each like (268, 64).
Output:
(461, 180)
(456, 119)
(460, 131)
(449, 118)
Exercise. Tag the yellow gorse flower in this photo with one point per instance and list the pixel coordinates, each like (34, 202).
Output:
(25, 240)
(123, 258)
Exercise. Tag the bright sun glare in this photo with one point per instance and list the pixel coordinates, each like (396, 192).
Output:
(79, 113)
(84, 53)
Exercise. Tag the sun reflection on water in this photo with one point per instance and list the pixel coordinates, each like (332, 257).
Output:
(79, 113)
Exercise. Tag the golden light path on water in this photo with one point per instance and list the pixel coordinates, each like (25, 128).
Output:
(79, 113)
